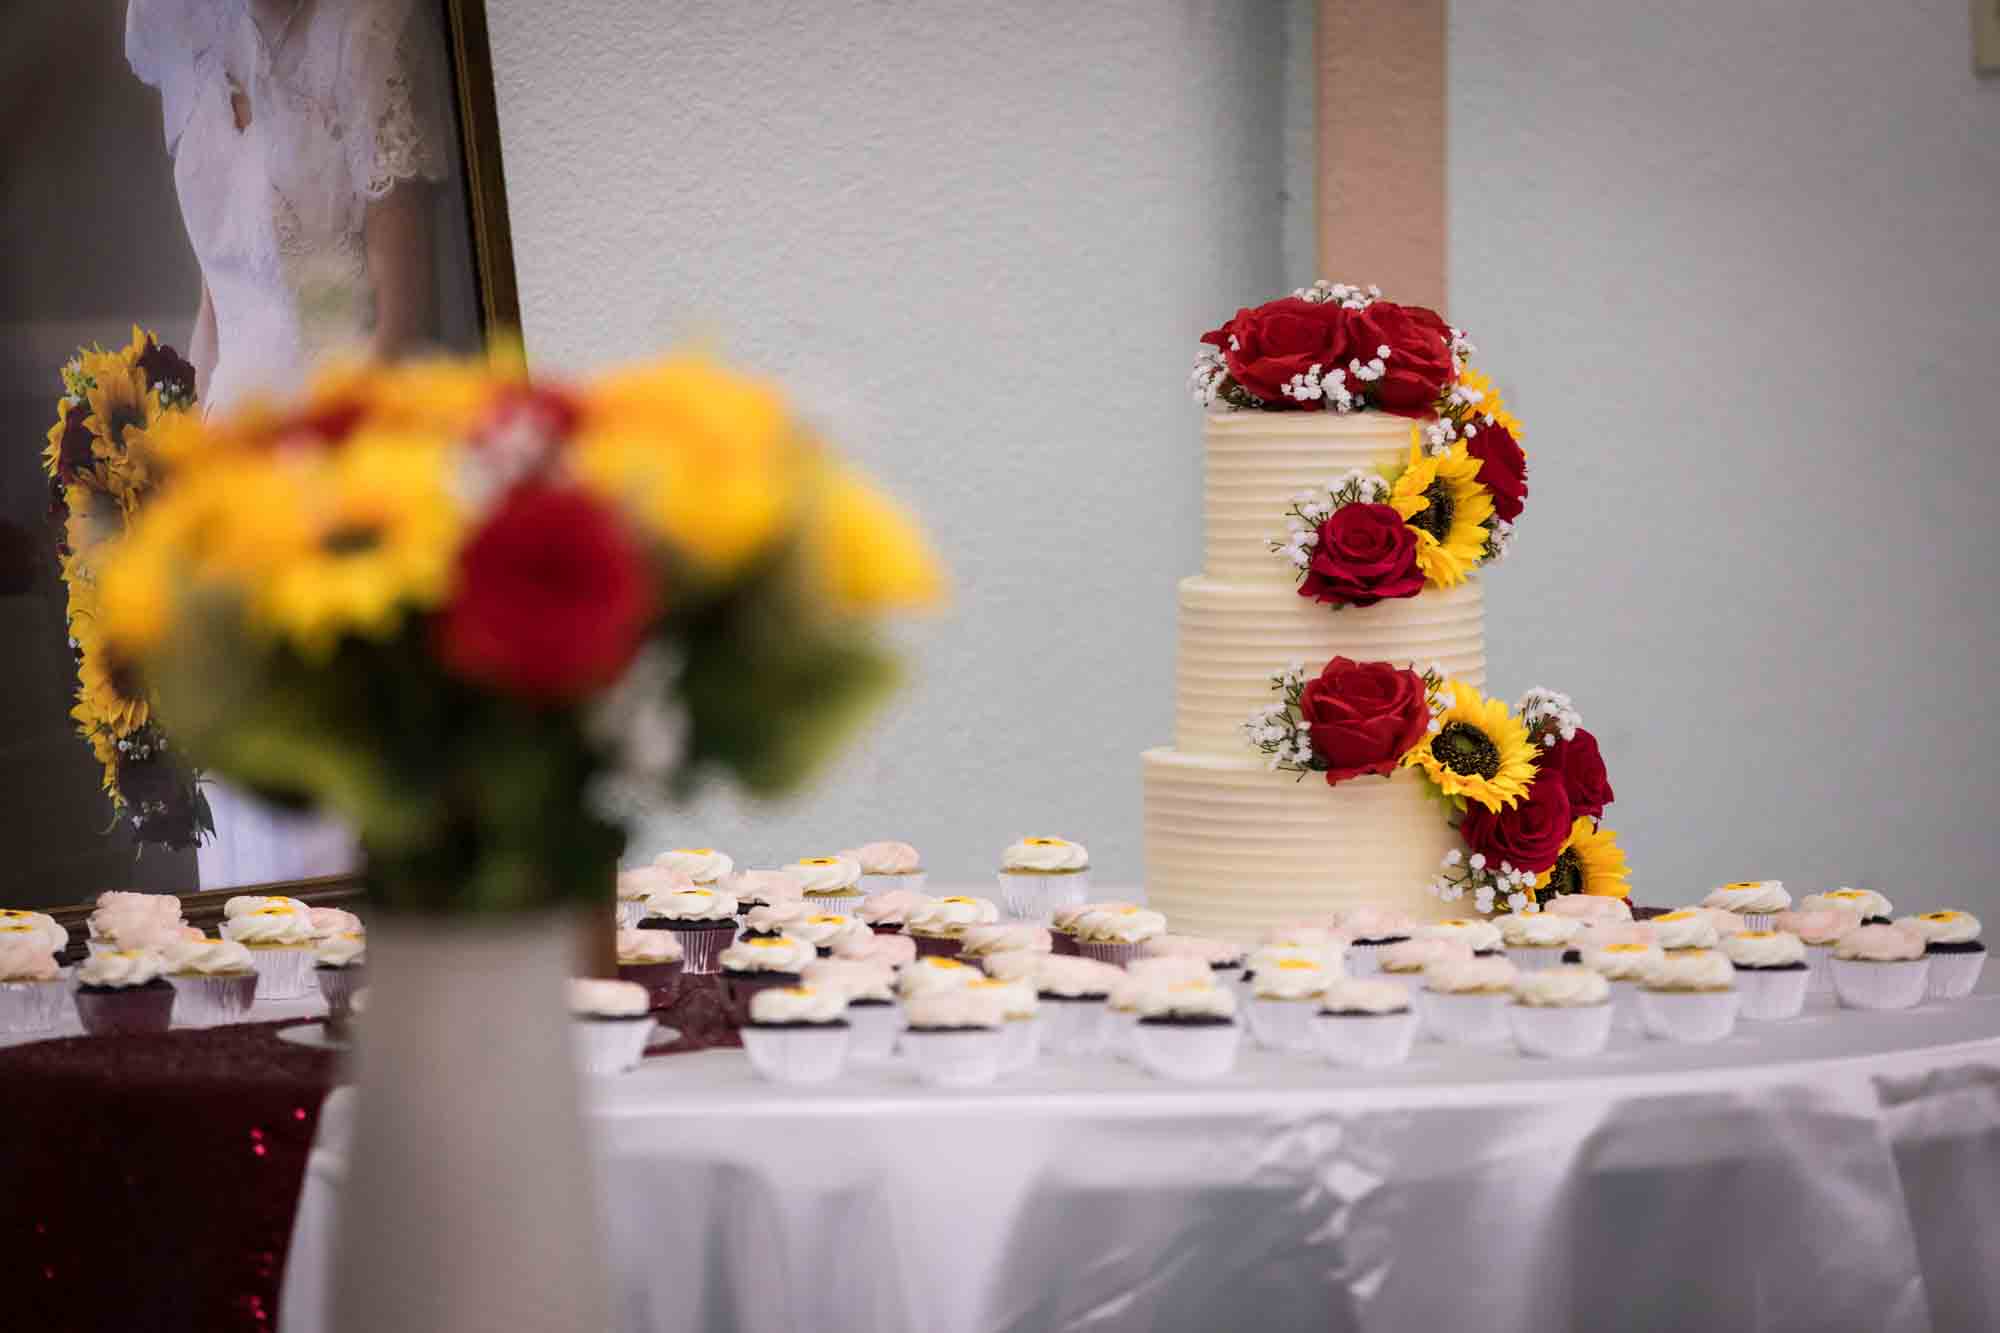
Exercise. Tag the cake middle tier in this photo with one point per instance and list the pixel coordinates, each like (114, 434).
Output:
(1235, 636)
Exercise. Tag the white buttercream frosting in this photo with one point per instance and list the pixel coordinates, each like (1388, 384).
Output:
(1418, 954)
(36, 925)
(1072, 977)
(867, 946)
(892, 907)
(703, 865)
(1006, 937)
(347, 949)
(1865, 901)
(1685, 929)
(246, 904)
(1691, 970)
(1016, 965)
(326, 921)
(1818, 925)
(1365, 995)
(778, 917)
(120, 968)
(642, 882)
(822, 929)
(929, 974)
(1371, 921)
(208, 958)
(1045, 855)
(763, 886)
(798, 1004)
(1017, 998)
(1880, 944)
(955, 1007)
(826, 874)
(1125, 925)
(1750, 895)
(1291, 979)
(24, 959)
(1064, 918)
(1299, 935)
(1167, 971)
(1538, 930)
(1949, 927)
(768, 953)
(279, 925)
(1214, 952)
(1561, 988)
(599, 997)
(138, 920)
(886, 858)
(1478, 936)
(1763, 948)
(696, 904)
(1186, 999)
(855, 979)
(949, 917)
(1621, 960)
(643, 947)
(1589, 907)
(1470, 975)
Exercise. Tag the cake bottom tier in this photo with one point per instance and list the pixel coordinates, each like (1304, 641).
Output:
(1233, 847)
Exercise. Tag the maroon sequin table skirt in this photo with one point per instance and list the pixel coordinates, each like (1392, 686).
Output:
(147, 1183)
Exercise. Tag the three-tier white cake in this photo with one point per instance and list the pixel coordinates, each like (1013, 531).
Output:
(1231, 845)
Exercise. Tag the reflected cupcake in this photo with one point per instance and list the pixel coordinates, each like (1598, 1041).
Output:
(1951, 944)
(278, 934)
(830, 883)
(120, 992)
(31, 985)
(215, 981)
(1039, 875)
(887, 866)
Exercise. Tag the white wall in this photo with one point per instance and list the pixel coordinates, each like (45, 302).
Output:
(1740, 265)
(981, 240)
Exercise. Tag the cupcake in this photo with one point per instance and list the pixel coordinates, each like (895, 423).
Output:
(138, 921)
(1039, 875)
(763, 888)
(1756, 901)
(1187, 1030)
(1074, 994)
(1224, 958)
(703, 920)
(1327, 957)
(1688, 930)
(1561, 1013)
(1589, 908)
(823, 930)
(248, 904)
(1116, 935)
(872, 1016)
(888, 865)
(326, 922)
(1406, 962)
(1880, 967)
(121, 991)
(1623, 963)
(1689, 995)
(610, 1023)
(797, 1034)
(830, 883)
(37, 925)
(31, 985)
(653, 959)
(1819, 929)
(983, 942)
(889, 950)
(1365, 1023)
(1771, 973)
(1121, 1008)
(637, 885)
(704, 866)
(953, 1037)
(1482, 938)
(1062, 922)
(278, 934)
(1366, 930)
(779, 918)
(1284, 1001)
(932, 972)
(1021, 1033)
(1465, 1002)
(340, 966)
(1537, 939)
(939, 926)
(1875, 909)
(1951, 943)
(215, 981)
(888, 911)
(760, 962)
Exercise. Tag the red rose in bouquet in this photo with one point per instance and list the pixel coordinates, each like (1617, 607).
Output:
(1265, 347)
(1529, 835)
(1363, 717)
(1503, 468)
(1366, 553)
(1420, 365)
(1581, 768)
(553, 597)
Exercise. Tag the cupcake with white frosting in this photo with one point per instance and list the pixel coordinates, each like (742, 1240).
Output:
(1039, 875)
(653, 959)
(340, 966)
(1589, 908)
(1465, 1002)
(1818, 929)
(278, 934)
(702, 919)
(1074, 994)
(763, 888)
(934, 972)
(18, 921)
(1121, 1010)
(1624, 964)
(939, 926)
(1875, 909)
(1756, 901)
(639, 883)
(1406, 962)
(1771, 973)
(125, 921)
(1561, 1013)
(215, 981)
(1366, 929)
(954, 1036)
(797, 1034)
(1021, 1032)
(610, 1024)
(760, 962)
(1224, 957)
(830, 883)
(1327, 954)
(1187, 1029)
(891, 951)
(704, 866)
(873, 1017)
(823, 930)
(1366, 1022)
(1690, 995)
(122, 991)
(1690, 929)
(1479, 936)
(31, 985)
(983, 942)
(888, 865)
(777, 918)
(1951, 943)
(887, 911)
(1537, 939)
(1063, 919)
(1116, 935)
(1284, 1001)
(1880, 967)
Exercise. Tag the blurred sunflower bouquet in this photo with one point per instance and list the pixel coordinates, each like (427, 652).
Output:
(102, 463)
(488, 620)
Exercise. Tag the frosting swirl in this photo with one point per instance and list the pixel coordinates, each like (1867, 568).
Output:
(208, 958)
(1943, 927)
(1370, 921)
(703, 865)
(1763, 948)
(1478, 936)
(777, 917)
(892, 907)
(1071, 977)
(764, 886)
(798, 1004)
(696, 904)
(1167, 971)
(1691, 970)
(1063, 919)
(1561, 988)
(931, 974)
(1538, 930)
(886, 858)
(1124, 925)
(24, 959)
(1418, 954)
(1469, 976)
(1865, 901)
(277, 926)
(1186, 999)
(867, 946)
(768, 953)
(954, 1007)
(120, 968)
(1621, 960)
(1014, 965)
(1589, 907)
(248, 904)
(1596, 935)
(643, 947)
(325, 921)
(137, 920)
(855, 979)
(1045, 854)
(1750, 895)
(1017, 998)
(1006, 937)
(1299, 935)
(597, 997)
(950, 916)
(642, 882)
(1365, 995)
(1880, 944)
(1685, 929)
(1291, 979)
(1216, 953)
(825, 874)
(1818, 925)
(36, 925)
(821, 929)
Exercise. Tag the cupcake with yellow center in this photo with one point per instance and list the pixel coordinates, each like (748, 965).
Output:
(1062, 922)
(215, 981)
(763, 888)
(1465, 1001)
(15, 921)
(1116, 935)
(888, 865)
(702, 919)
(1366, 1022)
(1756, 901)
(653, 959)
(1039, 875)
(1690, 995)
(1187, 1030)
(1771, 973)
(278, 935)
(797, 1034)
(1284, 1001)
(705, 867)
(776, 918)
(1623, 963)
(870, 991)
(121, 992)
(1021, 1033)
(1875, 909)
(939, 926)
(1406, 962)
(1121, 1008)
(1480, 937)
(1561, 1013)
(1880, 967)
(935, 973)
(759, 963)
(984, 942)
(1690, 929)
(1951, 943)
(1074, 994)
(636, 885)
(610, 1024)
(829, 883)
(31, 985)
(888, 910)
(1819, 929)
(1537, 939)
(823, 930)
(953, 1037)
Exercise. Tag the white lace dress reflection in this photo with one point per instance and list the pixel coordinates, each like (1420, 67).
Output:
(286, 119)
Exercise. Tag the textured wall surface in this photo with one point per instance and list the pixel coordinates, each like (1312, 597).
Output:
(1739, 268)
(979, 241)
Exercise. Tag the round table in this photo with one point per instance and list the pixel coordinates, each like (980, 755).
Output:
(1837, 1172)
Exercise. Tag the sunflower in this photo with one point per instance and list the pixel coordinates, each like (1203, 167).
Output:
(1479, 752)
(123, 412)
(869, 552)
(1590, 862)
(1490, 407)
(1441, 500)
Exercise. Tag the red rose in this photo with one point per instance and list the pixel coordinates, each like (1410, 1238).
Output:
(1363, 717)
(1582, 770)
(1503, 468)
(1265, 347)
(1419, 367)
(553, 597)
(1530, 835)
(1365, 553)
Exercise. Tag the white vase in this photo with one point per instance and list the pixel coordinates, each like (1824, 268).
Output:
(469, 1199)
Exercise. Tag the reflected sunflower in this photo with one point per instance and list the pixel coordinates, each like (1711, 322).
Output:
(1590, 862)
(1441, 500)
(1480, 751)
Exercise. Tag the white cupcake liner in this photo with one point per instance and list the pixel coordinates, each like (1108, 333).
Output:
(1953, 975)
(31, 1006)
(845, 904)
(1865, 985)
(873, 884)
(955, 1057)
(1569, 1032)
(1365, 1041)
(1283, 1025)
(813, 1053)
(701, 949)
(206, 1002)
(1772, 996)
(1193, 1052)
(1819, 958)
(1758, 921)
(283, 973)
(1625, 1015)
(1689, 1016)
(1020, 1044)
(1030, 897)
(1119, 1024)
(873, 1032)
(1072, 1027)
(1364, 960)
(631, 911)
(1471, 1019)
(609, 1045)
(1115, 952)
(1534, 958)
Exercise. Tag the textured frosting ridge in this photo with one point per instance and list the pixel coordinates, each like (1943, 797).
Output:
(1763, 948)
(1561, 988)
(1044, 854)
(1365, 995)
(601, 998)
(1943, 927)
(798, 1004)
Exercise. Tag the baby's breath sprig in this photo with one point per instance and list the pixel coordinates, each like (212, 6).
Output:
(1499, 541)
(1312, 508)
(1548, 714)
(1278, 731)
(1489, 885)
(1346, 293)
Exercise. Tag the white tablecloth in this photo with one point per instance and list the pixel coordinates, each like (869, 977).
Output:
(1838, 1172)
